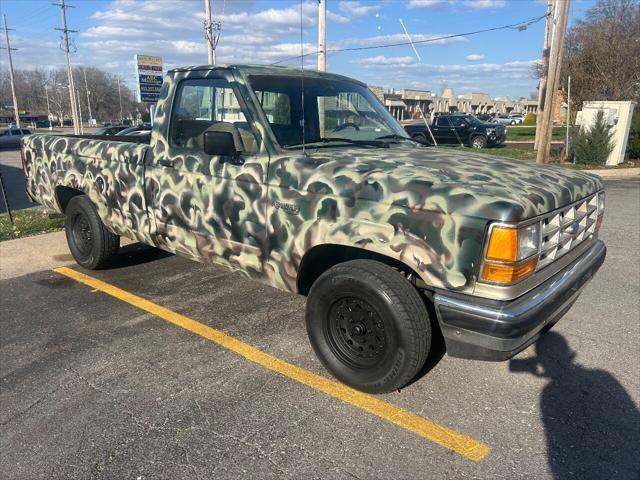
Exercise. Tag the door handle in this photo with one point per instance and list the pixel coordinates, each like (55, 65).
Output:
(165, 162)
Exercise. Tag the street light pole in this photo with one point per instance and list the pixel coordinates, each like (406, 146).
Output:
(80, 112)
(86, 88)
(120, 98)
(46, 94)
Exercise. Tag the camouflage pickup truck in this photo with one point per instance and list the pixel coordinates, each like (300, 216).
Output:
(303, 180)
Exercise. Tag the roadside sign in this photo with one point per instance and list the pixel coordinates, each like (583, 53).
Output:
(149, 73)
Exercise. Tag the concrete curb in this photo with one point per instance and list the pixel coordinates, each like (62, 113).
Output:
(615, 172)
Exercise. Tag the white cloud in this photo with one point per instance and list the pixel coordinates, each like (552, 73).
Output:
(336, 17)
(474, 4)
(430, 3)
(485, 4)
(431, 38)
(474, 57)
(381, 60)
(357, 9)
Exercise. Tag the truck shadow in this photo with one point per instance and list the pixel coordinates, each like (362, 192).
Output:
(592, 425)
(137, 254)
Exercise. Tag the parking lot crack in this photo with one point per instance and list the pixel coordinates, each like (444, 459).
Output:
(122, 406)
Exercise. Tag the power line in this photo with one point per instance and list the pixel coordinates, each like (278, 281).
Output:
(519, 26)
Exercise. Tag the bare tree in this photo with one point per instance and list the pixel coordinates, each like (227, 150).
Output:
(31, 85)
(602, 53)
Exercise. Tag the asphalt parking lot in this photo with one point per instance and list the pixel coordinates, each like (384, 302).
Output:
(95, 387)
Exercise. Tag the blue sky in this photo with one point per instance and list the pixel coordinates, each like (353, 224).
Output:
(110, 32)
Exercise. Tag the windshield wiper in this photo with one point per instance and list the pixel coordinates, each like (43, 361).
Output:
(365, 143)
(395, 136)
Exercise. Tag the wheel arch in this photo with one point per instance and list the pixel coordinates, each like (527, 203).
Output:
(322, 257)
(64, 195)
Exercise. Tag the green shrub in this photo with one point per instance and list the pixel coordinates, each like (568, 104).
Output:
(633, 146)
(593, 145)
(530, 119)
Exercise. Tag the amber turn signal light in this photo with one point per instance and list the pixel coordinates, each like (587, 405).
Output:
(508, 273)
(503, 244)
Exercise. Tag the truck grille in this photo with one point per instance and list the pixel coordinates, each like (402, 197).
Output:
(566, 228)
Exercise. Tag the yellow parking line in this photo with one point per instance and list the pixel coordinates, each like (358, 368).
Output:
(462, 444)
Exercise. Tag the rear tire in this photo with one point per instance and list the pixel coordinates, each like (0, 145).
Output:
(368, 326)
(91, 244)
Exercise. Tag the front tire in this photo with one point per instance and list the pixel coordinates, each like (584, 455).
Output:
(368, 326)
(91, 244)
(478, 142)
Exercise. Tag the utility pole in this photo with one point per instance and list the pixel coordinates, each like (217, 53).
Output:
(120, 98)
(13, 88)
(65, 31)
(322, 35)
(322, 57)
(542, 86)
(208, 29)
(553, 80)
(86, 88)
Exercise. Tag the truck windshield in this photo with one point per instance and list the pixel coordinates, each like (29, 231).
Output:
(474, 121)
(334, 110)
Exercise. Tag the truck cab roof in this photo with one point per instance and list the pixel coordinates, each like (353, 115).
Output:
(266, 70)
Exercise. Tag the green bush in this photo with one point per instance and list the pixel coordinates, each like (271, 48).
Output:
(593, 145)
(530, 119)
(633, 146)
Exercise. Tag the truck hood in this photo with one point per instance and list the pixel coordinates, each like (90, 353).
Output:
(443, 180)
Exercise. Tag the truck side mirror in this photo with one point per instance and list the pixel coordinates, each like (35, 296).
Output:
(220, 143)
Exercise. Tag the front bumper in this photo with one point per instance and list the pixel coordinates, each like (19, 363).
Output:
(497, 330)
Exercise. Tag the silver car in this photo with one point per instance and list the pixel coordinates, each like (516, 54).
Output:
(504, 120)
(518, 118)
(10, 137)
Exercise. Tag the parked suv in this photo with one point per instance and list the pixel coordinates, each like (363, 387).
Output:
(10, 137)
(459, 129)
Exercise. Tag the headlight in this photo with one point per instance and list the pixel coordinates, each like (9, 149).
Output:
(512, 253)
(491, 131)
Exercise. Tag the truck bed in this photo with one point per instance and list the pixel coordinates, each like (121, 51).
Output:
(109, 169)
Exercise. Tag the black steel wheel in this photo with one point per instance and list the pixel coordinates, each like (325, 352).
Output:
(81, 232)
(355, 332)
(91, 244)
(368, 325)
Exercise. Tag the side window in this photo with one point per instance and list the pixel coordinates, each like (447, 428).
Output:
(442, 122)
(15, 132)
(208, 105)
(276, 106)
(457, 122)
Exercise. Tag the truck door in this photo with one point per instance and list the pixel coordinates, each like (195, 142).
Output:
(442, 130)
(209, 208)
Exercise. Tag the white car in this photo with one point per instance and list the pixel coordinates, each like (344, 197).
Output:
(10, 137)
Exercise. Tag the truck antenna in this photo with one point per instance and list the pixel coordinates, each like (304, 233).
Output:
(302, 79)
